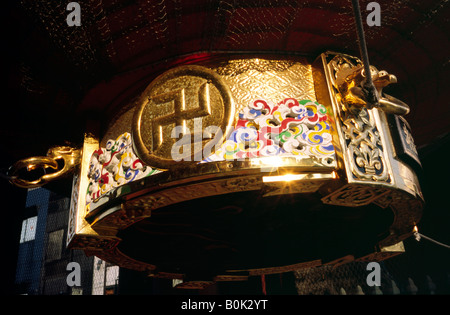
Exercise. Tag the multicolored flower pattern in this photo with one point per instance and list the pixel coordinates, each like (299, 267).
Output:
(113, 166)
(289, 128)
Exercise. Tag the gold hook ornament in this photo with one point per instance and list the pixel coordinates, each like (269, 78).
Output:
(69, 155)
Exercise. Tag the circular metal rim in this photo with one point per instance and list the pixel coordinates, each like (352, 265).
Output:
(138, 144)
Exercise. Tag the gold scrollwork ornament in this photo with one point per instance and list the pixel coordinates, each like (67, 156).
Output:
(69, 155)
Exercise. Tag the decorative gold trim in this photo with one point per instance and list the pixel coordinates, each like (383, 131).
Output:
(355, 195)
(69, 155)
(365, 150)
(363, 169)
(384, 253)
(179, 81)
(359, 136)
(77, 226)
(168, 188)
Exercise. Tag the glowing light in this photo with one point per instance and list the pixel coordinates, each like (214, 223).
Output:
(283, 178)
(293, 177)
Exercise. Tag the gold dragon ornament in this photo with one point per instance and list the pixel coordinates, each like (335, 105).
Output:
(354, 95)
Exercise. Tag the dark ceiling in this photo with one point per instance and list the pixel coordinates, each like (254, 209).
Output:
(62, 80)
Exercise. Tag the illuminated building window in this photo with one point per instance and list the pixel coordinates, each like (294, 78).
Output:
(112, 280)
(28, 229)
(112, 276)
(105, 278)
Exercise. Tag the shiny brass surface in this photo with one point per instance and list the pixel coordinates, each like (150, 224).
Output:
(210, 179)
(291, 129)
(248, 79)
(187, 97)
(79, 232)
(367, 154)
(349, 81)
(69, 155)
(270, 79)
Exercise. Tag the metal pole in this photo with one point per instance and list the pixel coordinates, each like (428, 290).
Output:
(368, 84)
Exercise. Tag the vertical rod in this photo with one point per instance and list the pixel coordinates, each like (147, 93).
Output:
(361, 39)
(368, 84)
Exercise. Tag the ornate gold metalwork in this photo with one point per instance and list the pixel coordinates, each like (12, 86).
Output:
(358, 135)
(349, 82)
(211, 179)
(248, 79)
(79, 231)
(179, 98)
(69, 155)
(365, 144)
(271, 79)
(120, 184)
(383, 253)
(355, 195)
